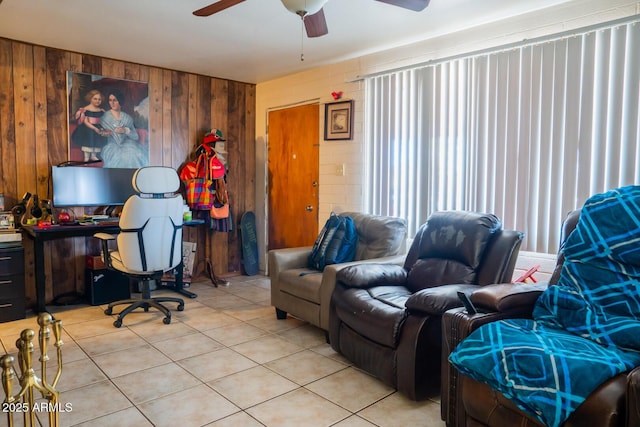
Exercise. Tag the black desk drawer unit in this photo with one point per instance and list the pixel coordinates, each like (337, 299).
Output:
(12, 298)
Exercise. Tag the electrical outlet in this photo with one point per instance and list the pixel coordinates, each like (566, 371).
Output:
(340, 170)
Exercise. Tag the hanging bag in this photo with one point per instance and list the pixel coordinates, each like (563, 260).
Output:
(200, 191)
(219, 211)
(220, 208)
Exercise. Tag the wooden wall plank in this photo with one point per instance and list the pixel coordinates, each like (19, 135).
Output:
(63, 266)
(43, 166)
(156, 115)
(111, 68)
(220, 105)
(203, 112)
(75, 62)
(58, 62)
(240, 191)
(166, 117)
(136, 72)
(40, 125)
(195, 94)
(217, 247)
(8, 161)
(24, 119)
(248, 149)
(91, 64)
(202, 123)
(190, 234)
(179, 119)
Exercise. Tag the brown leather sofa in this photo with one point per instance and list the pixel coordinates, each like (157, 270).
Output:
(466, 402)
(386, 319)
(306, 296)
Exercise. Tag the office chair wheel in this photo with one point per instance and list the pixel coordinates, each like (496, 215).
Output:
(108, 311)
(166, 320)
(117, 323)
(180, 307)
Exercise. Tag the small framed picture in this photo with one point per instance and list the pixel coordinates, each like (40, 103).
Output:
(338, 120)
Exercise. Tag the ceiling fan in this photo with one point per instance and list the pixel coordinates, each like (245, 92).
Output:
(309, 10)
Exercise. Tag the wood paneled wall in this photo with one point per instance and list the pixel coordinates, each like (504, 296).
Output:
(182, 107)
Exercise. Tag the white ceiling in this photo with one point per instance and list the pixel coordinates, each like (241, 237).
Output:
(253, 42)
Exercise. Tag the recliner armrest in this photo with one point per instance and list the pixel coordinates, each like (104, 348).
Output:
(457, 324)
(506, 297)
(437, 300)
(289, 258)
(372, 274)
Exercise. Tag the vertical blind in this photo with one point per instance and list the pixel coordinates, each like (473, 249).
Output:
(527, 133)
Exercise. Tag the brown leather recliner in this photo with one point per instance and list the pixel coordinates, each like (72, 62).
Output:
(466, 402)
(386, 318)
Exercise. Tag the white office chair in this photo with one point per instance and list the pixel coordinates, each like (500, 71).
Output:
(150, 238)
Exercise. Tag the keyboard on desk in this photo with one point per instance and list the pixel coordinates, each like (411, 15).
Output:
(95, 217)
(103, 220)
(108, 222)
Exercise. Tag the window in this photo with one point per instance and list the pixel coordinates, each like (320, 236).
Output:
(527, 133)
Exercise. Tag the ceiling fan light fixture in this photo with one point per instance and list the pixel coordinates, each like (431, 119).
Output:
(306, 7)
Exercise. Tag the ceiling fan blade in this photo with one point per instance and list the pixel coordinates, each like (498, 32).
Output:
(216, 7)
(315, 24)
(416, 5)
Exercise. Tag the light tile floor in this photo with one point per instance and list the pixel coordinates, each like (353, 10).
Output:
(223, 361)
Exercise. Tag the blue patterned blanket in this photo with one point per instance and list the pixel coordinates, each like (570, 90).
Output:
(586, 329)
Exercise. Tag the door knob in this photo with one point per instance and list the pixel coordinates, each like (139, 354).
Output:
(314, 184)
(309, 208)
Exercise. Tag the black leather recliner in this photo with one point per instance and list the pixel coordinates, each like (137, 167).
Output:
(386, 318)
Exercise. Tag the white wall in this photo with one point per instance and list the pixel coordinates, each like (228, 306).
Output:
(341, 193)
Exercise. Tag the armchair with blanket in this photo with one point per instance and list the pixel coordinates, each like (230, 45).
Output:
(498, 301)
(386, 318)
(305, 293)
(574, 360)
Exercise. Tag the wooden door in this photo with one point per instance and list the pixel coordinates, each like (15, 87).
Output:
(293, 159)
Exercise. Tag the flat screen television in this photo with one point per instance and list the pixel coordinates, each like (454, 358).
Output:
(90, 186)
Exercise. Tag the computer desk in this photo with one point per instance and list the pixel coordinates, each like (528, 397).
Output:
(39, 235)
